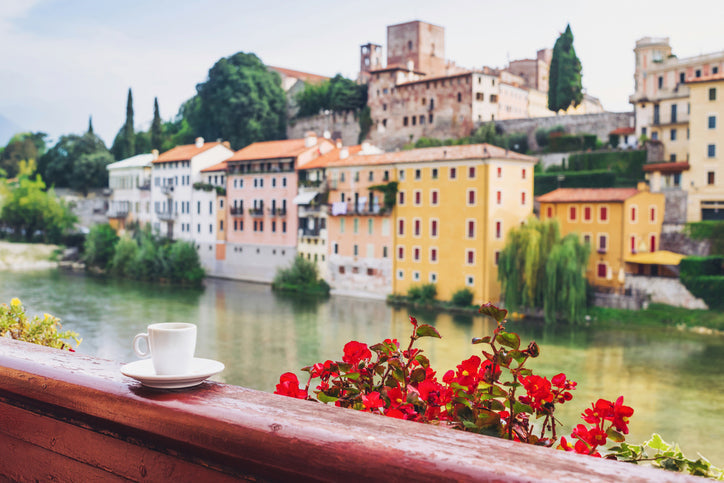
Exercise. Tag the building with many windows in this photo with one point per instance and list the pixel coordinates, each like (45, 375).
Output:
(130, 182)
(616, 222)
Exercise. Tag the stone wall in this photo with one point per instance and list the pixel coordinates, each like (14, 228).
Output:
(599, 124)
(664, 290)
(673, 239)
(343, 125)
(675, 207)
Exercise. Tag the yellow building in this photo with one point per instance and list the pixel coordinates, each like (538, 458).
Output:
(455, 205)
(616, 222)
(706, 149)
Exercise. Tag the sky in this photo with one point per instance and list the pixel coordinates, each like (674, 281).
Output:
(62, 61)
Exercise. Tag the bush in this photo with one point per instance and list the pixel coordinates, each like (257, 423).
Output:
(184, 263)
(542, 135)
(626, 164)
(301, 276)
(462, 298)
(698, 266)
(124, 257)
(422, 294)
(15, 324)
(707, 287)
(100, 245)
(708, 230)
(590, 141)
(546, 182)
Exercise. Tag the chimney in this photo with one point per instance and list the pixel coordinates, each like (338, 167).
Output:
(199, 142)
(154, 153)
(344, 153)
(338, 143)
(226, 144)
(310, 139)
(410, 65)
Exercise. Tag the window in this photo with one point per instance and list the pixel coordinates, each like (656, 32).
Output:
(652, 243)
(274, 226)
(418, 174)
(401, 198)
(221, 225)
(418, 197)
(469, 281)
(479, 96)
(471, 172)
(284, 226)
(355, 250)
(335, 248)
(460, 97)
(711, 150)
(710, 178)
(471, 228)
(498, 197)
(603, 213)
(655, 135)
(429, 116)
(587, 239)
(341, 225)
(417, 224)
(712, 93)
(549, 212)
(522, 197)
(384, 251)
(601, 270)
(401, 227)
(497, 257)
(470, 257)
(416, 275)
(416, 254)
(453, 173)
(402, 175)
(522, 173)
(587, 213)
(433, 197)
(400, 252)
(712, 122)
(371, 176)
(400, 274)
(673, 113)
(572, 213)
(370, 225)
(433, 228)
(433, 254)
(633, 214)
(471, 197)
(633, 244)
(433, 277)
(498, 230)
(434, 173)
(652, 214)
(682, 77)
(673, 135)
(661, 81)
(414, 120)
(355, 226)
(404, 121)
(602, 242)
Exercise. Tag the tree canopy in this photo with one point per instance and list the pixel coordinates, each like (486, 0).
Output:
(21, 147)
(336, 94)
(564, 84)
(538, 269)
(241, 101)
(77, 162)
(124, 144)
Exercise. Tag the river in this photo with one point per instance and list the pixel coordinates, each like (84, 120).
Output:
(674, 380)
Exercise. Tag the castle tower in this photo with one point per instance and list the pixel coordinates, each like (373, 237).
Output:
(370, 59)
(420, 42)
(650, 52)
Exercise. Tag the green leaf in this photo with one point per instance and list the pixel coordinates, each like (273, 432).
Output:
(418, 375)
(518, 356)
(615, 435)
(424, 361)
(470, 425)
(462, 400)
(496, 405)
(425, 330)
(458, 387)
(351, 375)
(493, 311)
(322, 397)
(519, 407)
(509, 339)
(657, 443)
(481, 340)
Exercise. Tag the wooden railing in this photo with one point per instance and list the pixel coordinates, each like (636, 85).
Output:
(70, 417)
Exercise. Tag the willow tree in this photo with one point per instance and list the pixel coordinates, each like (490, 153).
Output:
(532, 267)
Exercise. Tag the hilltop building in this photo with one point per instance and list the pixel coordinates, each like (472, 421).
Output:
(677, 105)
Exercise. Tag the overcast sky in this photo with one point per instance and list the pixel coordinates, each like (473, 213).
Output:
(62, 61)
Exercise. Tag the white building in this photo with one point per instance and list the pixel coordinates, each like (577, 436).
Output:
(130, 182)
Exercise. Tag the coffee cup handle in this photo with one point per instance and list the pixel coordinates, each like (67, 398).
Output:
(137, 348)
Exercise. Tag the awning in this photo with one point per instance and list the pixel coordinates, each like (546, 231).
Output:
(304, 198)
(661, 257)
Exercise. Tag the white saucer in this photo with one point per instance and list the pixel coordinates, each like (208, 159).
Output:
(143, 371)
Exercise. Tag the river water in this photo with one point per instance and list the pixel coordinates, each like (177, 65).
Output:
(674, 380)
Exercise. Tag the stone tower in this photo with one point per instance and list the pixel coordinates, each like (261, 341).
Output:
(370, 59)
(417, 44)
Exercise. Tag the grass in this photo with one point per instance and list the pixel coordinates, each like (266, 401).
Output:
(660, 315)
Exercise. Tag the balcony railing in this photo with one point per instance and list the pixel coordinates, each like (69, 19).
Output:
(118, 213)
(167, 190)
(167, 215)
(281, 212)
(236, 211)
(146, 185)
(256, 212)
(74, 417)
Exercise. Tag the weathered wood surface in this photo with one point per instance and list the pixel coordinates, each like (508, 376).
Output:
(70, 417)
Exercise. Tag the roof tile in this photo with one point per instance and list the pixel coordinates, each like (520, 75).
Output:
(572, 195)
(184, 152)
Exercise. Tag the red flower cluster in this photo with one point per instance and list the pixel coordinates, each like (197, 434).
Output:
(289, 386)
(597, 416)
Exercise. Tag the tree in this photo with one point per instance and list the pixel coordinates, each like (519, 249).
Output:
(539, 270)
(21, 147)
(100, 246)
(241, 102)
(57, 166)
(336, 94)
(89, 171)
(564, 85)
(90, 124)
(124, 143)
(156, 127)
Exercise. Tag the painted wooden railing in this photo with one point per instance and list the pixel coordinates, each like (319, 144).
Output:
(71, 417)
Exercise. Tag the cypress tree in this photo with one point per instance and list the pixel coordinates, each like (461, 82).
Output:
(156, 127)
(564, 80)
(90, 124)
(124, 143)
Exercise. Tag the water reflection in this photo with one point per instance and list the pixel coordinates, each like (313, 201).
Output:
(674, 380)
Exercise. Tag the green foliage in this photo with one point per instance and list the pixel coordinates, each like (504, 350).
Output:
(542, 135)
(241, 101)
(462, 297)
(707, 287)
(184, 263)
(390, 193)
(365, 123)
(564, 87)
(708, 230)
(124, 143)
(336, 94)
(124, 257)
(157, 138)
(15, 324)
(535, 264)
(28, 210)
(627, 165)
(57, 166)
(21, 147)
(100, 245)
(565, 143)
(547, 182)
(301, 276)
(697, 266)
(89, 170)
(488, 133)
(422, 294)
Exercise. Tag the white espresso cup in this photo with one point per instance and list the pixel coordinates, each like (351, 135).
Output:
(170, 345)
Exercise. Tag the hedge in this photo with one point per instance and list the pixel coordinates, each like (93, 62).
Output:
(707, 287)
(708, 230)
(545, 183)
(700, 266)
(626, 164)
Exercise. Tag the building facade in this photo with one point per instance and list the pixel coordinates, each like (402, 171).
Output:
(130, 182)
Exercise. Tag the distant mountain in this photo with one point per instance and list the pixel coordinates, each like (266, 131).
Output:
(7, 130)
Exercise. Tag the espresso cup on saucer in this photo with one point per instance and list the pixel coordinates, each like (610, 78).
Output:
(170, 345)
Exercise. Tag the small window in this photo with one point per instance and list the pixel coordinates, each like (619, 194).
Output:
(549, 212)
(433, 254)
(633, 214)
(460, 97)
(498, 230)
(400, 252)
(471, 172)
(572, 213)
(402, 175)
(712, 122)
(433, 197)
(400, 274)
(471, 197)
(416, 254)
(470, 257)
(522, 173)
(603, 214)
(404, 121)
(433, 228)
(652, 214)
(602, 243)
(453, 173)
(522, 197)
(434, 173)
(499, 197)
(417, 226)
(401, 198)
(469, 281)
(710, 178)
(712, 93)
(587, 213)
(711, 150)
(601, 270)
(418, 197)
(500, 172)
(471, 228)
(433, 277)
(673, 135)
(418, 174)
(401, 227)
(416, 276)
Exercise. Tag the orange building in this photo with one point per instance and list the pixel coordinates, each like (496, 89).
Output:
(616, 222)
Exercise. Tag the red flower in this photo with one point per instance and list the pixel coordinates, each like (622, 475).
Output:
(394, 413)
(289, 386)
(413, 321)
(396, 396)
(372, 400)
(559, 380)
(621, 415)
(467, 374)
(593, 436)
(354, 352)
(539, 390)
(489, 372)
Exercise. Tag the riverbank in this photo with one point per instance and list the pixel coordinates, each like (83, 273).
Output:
(18, 257)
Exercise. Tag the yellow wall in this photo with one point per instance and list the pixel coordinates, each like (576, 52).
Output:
(618, 229)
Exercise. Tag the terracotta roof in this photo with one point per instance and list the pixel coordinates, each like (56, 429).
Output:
(217, 167)
(572, 195)
(667, 167)
(706, 78)
(393, 68)
(333, 155)
(440, 153)
(624, 130)
(183, 153)
(305, 76)
(287, 148)
(432, 79)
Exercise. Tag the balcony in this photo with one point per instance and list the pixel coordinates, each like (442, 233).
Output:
(75, 417)
(256, 212)
(118, 213)
(167, 189)
(280, 212)
(167, 215)
(145, 186)
(236, 211)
